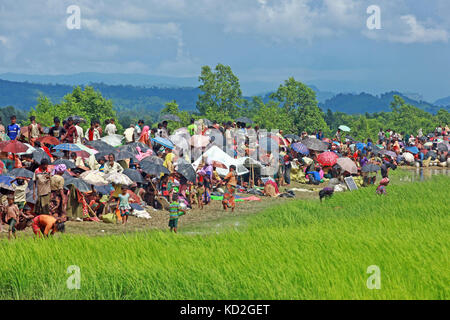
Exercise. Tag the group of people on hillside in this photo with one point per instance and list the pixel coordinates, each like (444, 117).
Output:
(53, 200)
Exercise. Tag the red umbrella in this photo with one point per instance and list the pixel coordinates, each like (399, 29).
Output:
(14, 146)
(328, 158)
(49, 140)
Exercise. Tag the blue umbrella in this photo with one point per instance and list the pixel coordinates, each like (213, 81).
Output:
(413, 150)
(5, 183)
(360, 145)
(164, 142)
(67, 147)
(300, 148)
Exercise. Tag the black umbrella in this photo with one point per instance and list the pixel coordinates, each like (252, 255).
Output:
(315, 144)
(442, 147)
(171, 117)
(78, 184)
(187, 171)
(244, 120)
(21, 173)
(153, 168)
(76, 118)
(40, 155)
(58, 154)
(123, 155)
(102, 155)
(100, 146)
(207, 122)
(104, 189)
(370, 167)
(69, 164)
(29, 197)
(133, 175)
(132, 147)
(152, 159)
(292, 136)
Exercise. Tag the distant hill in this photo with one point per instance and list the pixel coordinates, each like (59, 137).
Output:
(443, 102)
(365, 102)
(23, 95)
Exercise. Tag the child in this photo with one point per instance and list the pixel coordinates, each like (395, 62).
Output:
(124, 205)
(381, 190)
(200, 193)
(12, 216)
(175, 213)
(228, 199)
(20, 191)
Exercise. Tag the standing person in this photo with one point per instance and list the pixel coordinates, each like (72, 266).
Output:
(45, 224)
(175, 213)
(34, 130)
(12, 216)
(111, 128)
(337, 136)
(98, 127)
(80, 133)
(320, 135)
(192, 128)
(165, 130)
(57, 205)
(92, 133)
(57, 131)
(71, 132)
(2, 127)
(20, 192)
(138, 130)
(41, 181)
(145, 136)
(13, 130)
(129, 134)
(287, 168)
(230, 179)
(381, 190)
(124, 204)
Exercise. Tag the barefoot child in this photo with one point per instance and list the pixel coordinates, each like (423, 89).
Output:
(381, 190)
(200, 193)
(124, 205)
(12, 216)
(175, 213)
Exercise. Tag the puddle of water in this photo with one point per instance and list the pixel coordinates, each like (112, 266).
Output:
(422, 174)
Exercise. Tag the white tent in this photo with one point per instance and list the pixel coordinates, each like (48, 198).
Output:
(216, 154)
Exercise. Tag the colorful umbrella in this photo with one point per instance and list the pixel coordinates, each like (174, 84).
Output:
(327, 158)
(13, 146)
(389, 153)
(5, 183)
(300, 148)
(67, 147)
(413, 150)
(49, 140)
(163, 142)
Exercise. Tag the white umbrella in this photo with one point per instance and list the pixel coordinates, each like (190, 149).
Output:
(408, 157)
(344, 128)
(94, 177)
(84, 148)
(114, 140)
(118, 178)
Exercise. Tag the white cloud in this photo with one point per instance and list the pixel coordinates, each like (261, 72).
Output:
(125, 30)
(416, 32)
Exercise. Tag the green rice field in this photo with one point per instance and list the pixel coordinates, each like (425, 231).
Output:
(298, 250)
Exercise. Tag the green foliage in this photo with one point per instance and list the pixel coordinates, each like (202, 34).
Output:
(173, 108)
(221, 93)
(88, 104)
(300, 104)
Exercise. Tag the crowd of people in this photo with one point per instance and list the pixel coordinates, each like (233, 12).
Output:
(51, 175)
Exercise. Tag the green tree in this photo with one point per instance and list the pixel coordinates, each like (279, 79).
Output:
(172, 107)
(221, 93)
(300, 104)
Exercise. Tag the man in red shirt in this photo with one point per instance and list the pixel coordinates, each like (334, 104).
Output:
(71, 132)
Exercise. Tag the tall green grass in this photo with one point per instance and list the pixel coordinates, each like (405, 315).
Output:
(300, 250)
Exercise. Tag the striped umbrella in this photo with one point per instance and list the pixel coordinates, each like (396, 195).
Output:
(300, 148)
(67, 147)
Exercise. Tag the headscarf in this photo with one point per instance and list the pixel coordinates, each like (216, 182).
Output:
(59, 168)
(144, 134)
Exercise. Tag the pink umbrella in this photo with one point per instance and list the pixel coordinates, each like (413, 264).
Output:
(328, 158)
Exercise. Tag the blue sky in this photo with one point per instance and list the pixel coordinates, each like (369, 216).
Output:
(321, 42)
